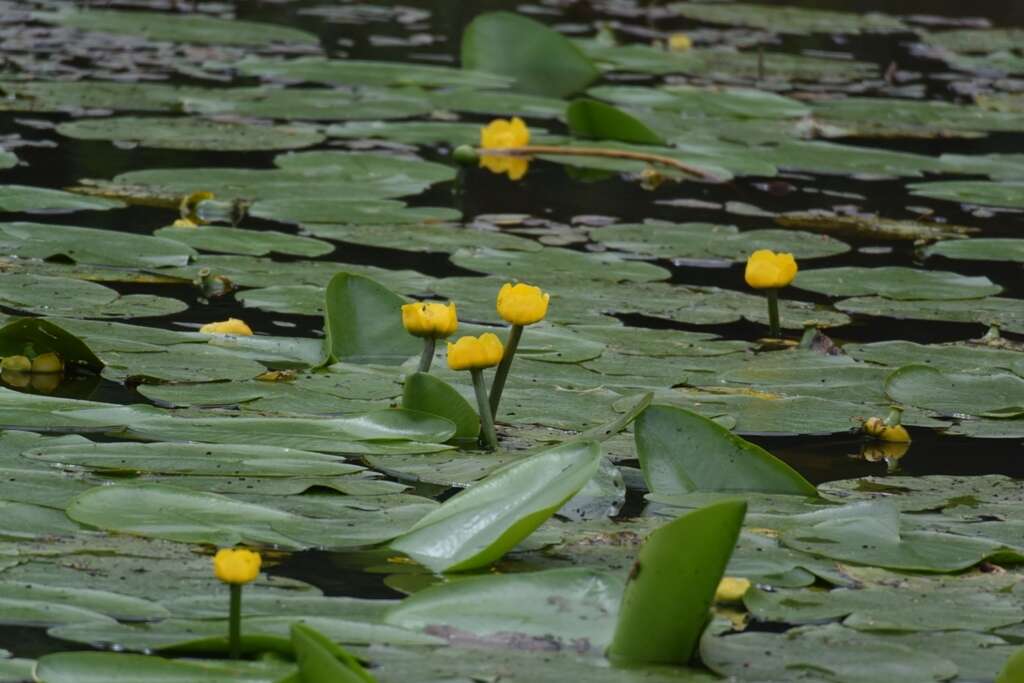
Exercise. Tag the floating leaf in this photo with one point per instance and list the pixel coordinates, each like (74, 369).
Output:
(681, 452)
(238, 241)
(979, 249)
(952, 393)
(672, 584)
(191, 133)
(538, 59)
(798, 20)
(480, 524)
(15, 198)
(110, 667)
(895, 282)
(89, 245)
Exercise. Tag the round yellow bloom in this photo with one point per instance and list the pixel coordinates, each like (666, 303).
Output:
(229, 326)
(16, 364)
(475, 353)
(236, 566)
(877, 428)
(502, 133)
(522, 304)
(47, 363)
(731, 589)
(768, 270)
(679, 42)
(424, 319)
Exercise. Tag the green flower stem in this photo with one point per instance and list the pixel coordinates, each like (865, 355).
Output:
(501, 374)
(894, 417)
(486, 419)
(773, 312)
(427, 357)
(235, 622)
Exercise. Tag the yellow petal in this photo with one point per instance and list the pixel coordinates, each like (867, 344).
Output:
(731, 589)
(522, 304)
(679, 42)
(475, 353)
(47, 363)
(237, 566)
(430, 319)
(768, 270)
(229, 326)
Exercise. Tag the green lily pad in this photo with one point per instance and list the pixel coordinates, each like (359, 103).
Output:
(357, 72)
(183, 363)
(24, 198)
(78, 298)
(239, 241)
(537, 59)
(191, 133)
(531, 266)
(89, 245)
(797, 20)
(515, 500)
(1006, 313)
(979, 249)
(1008, 194)
(712, 242)
(694, 101)
(110, 667)
(358, 211)
(183, 28)
(895, 282)
(871, 115)
(950, 393)
(592, 119)
(681, 452)
(424, 237)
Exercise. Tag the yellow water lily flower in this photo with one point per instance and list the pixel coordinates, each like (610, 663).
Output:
(184, 223)
(679, 42)
(16, 364)
(522, 304)
(236, 565)
(229, 326)
(768, 270)
(504, 134)
(731, 589)
(877, 428)
(426, 319)
(47, 363)
(475, 353)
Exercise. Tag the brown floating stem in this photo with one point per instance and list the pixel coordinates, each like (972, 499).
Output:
(531, 150)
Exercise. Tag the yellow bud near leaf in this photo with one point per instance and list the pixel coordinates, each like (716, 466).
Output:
(768, 270)
(434, 320)
(475, 353)
(237, 566)
(16, 364)
(47, 363)
(184, 223)
(679, 42)
(731, 589)
(522, 304)
(876, 427)
(229, 326)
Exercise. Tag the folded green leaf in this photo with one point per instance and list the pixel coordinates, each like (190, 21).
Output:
(482, 523)
(428, 394)
(323, 661)
(363, 322)
(665, 606)
(681, 452)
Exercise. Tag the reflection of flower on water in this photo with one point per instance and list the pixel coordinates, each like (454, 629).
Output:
(505, 134)
(889, 451)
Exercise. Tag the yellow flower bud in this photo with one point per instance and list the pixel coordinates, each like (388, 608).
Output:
(679, 42)
(47, 363)
(731, 589)
(876, 427)
(522, 304)
(503, 133)
(236, 566)
(424, 319)
(184, 223)
(229, 326)
(16, 364)
(768, 270)
(475, 353)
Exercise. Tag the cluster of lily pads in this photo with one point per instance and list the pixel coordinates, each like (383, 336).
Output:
(311, 426)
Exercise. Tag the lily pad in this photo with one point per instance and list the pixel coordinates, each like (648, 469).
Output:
(24, 198)
(191, 133)
(797, 20)
(895, 282)
(89, 245)
(998, 394)
(979, 249)
(239, 241)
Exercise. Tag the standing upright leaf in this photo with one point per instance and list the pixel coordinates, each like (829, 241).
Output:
(682, 452)
(592, 119)
(363, 322)
(480, 524)
(665, 606)
(541, 60)
(323, 661)
(34, 336)
(428, 394)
